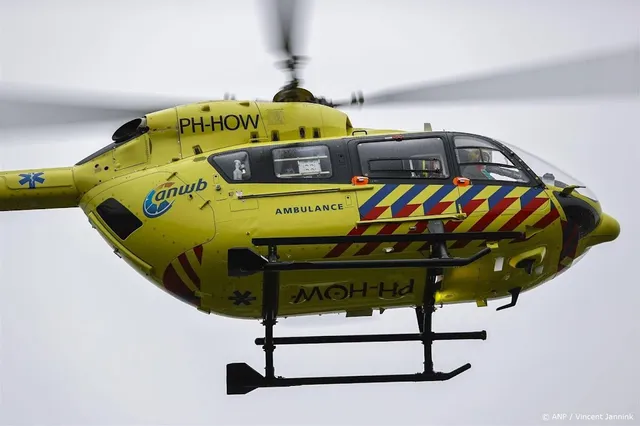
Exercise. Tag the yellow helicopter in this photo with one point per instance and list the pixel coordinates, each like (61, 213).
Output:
(262, 210)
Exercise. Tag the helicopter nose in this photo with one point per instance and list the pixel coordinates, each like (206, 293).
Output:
(607, 230)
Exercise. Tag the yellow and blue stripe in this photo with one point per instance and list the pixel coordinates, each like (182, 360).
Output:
(501, 207)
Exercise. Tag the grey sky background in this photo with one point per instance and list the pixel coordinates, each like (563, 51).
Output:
(85, 340)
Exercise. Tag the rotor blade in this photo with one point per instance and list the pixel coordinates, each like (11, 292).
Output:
(285, 16)
(31, 105)
(609, 74)
(286, 10)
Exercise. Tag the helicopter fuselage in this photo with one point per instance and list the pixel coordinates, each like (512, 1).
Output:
(181, 187)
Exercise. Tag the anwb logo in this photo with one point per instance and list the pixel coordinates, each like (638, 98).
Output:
(160, 199)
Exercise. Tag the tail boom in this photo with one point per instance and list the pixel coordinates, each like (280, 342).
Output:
(38, 189)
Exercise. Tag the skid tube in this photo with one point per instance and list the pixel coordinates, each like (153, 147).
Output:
(242, 379)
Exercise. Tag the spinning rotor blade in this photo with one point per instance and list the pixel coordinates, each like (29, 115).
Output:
(613, 73)
(286, 11)
(286, 36)
(32, 106)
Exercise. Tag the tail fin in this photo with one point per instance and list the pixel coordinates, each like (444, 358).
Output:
(38, 189)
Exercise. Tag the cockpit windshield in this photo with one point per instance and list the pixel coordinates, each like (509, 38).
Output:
(550, 174)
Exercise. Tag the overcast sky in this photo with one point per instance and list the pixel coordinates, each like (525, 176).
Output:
(85, 340)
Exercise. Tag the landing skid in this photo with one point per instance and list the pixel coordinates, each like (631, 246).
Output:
(242, 379)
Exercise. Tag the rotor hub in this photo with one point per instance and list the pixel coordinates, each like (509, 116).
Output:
(294, 94)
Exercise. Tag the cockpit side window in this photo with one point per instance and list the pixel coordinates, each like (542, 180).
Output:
(481, 160)
(234, 166)
(404, 159)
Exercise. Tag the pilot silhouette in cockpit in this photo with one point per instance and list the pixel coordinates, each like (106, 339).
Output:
(472, 163)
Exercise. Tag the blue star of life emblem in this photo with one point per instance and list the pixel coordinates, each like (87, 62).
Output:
(31, 178)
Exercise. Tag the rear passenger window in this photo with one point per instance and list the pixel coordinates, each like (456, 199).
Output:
(413, 158)
(235, 166)
(117, 217)
(302, 162)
